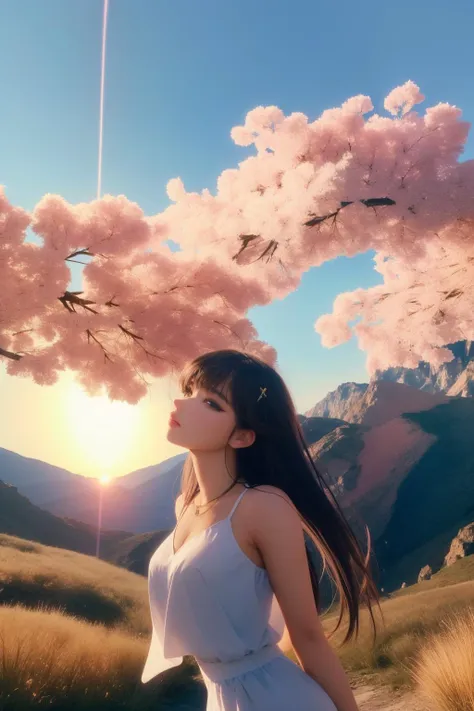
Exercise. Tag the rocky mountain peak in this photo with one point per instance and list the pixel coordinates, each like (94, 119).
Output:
(453, 378)
(374, 404)
(462, 545)
(337, 403)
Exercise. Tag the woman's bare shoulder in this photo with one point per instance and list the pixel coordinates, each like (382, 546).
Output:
(266, 489)
(267, 500)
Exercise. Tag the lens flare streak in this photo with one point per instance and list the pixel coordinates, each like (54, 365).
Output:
(102, 94)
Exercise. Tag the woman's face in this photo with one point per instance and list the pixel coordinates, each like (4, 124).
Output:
(203, 421)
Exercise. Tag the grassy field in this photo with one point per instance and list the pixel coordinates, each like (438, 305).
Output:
(445, 668)
(80, 585)
(408, 621)
(461, 572)
(74, 633)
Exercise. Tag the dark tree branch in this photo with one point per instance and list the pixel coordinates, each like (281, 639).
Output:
(70, 299)
(85, 252)
(378, 202)
(370, 202)
(317, 220)
(174, 288)
(136, 338)
(133, 336)
(9, 354)
(245, 239)
(111, 302)
(231, 330)
(91, 335)
(453, 293)
(269, 250)
(25, 330)
(312, 222)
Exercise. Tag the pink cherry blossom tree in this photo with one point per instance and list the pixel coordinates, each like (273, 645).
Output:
(348, 182)
(140, 312)
(344, 184)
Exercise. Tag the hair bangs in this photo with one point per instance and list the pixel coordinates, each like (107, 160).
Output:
(209, 374)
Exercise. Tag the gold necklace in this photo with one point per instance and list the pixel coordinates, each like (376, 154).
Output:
(198, 507)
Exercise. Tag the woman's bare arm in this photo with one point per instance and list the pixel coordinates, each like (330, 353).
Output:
(277, 531)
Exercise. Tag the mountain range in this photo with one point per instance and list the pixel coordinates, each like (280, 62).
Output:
(455, 378)
(19, 517)
(359, 402)
(139, 502)
(400, 459)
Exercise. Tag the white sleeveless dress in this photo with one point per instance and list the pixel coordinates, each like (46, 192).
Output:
(209, 600)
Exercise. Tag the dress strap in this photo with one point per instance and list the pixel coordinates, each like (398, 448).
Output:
(238, 501)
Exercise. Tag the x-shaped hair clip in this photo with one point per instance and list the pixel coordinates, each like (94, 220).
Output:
(263, 393)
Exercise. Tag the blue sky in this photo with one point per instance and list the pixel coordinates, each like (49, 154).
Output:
(180, 74)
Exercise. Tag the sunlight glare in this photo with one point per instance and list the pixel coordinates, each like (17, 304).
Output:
(105, 430)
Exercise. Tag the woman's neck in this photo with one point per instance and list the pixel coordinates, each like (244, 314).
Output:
(215, 472)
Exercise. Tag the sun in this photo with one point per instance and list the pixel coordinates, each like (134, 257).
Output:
(105, 430)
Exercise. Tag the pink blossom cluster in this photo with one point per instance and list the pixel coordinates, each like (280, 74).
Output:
(141, 313)
(349, 182)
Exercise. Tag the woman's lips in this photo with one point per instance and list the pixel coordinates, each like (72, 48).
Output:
(173, 422)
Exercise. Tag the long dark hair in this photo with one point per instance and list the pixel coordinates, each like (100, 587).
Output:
(280, 457)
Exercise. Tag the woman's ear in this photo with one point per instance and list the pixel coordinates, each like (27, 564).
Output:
(242, 438)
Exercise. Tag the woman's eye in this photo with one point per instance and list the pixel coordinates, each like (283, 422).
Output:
(213, 404)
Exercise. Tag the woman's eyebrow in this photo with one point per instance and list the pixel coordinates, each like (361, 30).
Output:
(220, 394)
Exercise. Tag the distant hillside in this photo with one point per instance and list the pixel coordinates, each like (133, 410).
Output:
(148, 507)
(437, 497)
(141, 476)
(41, 482)
(407, 474)
(339, 402)
(316, 427)
(134, 553)
(19, 517)
(376, 403)
(139, 502)
(461, 571)
(337, 454)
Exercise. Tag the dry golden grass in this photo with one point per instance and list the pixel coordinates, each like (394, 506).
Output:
(44, 653)
(55, 650)
(445, 669)
(80, 585)
(408, 621)
(47, 658)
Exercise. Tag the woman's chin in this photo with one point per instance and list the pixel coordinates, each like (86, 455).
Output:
(173, 436)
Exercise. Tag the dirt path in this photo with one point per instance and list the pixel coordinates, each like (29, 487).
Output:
(368, 698)
(372, 699)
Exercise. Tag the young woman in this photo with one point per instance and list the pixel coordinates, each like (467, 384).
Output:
(236, 569)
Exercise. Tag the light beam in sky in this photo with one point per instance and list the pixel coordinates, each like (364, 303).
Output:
(102, 94)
